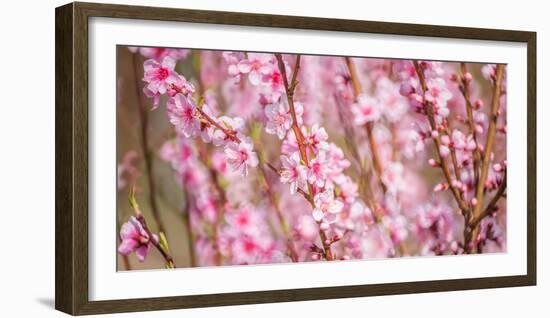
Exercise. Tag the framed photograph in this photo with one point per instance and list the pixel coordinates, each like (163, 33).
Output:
(219, 158)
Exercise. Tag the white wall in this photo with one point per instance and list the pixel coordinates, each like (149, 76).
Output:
(27, 157)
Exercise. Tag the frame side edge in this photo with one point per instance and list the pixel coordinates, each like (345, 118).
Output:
(64, 225)
(532, 158)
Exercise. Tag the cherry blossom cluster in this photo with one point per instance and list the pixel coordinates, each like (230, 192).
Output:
(293, 158)
(194, 120)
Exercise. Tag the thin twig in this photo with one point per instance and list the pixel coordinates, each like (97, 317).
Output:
(152, 238)
(289, 88)
(465, 89)
(437, 140)
(374, 206)
(188, 227)
(369, 126)
(495, 103)
(275, 204)
(493, 203)
(144, 121)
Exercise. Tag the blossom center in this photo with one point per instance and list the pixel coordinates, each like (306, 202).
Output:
(243, 156)
(249, 246)
(162, 74)
(188, 113)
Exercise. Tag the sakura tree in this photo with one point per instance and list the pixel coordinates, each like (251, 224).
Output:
(251, 158)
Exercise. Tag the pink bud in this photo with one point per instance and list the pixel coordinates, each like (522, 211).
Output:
(453, 77)
(441, 187)
(417, 98)
(503, 129)
(454, 246)
(497, 167)
(435, 134)
(345, 258)
(433, 163)
(315, 257)
(474, 201)
(479, 129)
(324, 226)
(468, 77)
(444, 150)
(478, 104)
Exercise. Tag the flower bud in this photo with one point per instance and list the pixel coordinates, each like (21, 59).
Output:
(441, 187)
(478, 104)
(453, 77)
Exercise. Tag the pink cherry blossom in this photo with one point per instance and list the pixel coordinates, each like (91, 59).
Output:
(293, 172)
(159, 76)
(181, 113)
(274, 80)
(326, 207)
(489, 71)
(256, 65)
(348, 190)
(439, 95)
(316, 136)
(279, 119)
(365, 110)
(393, 177)
(318, 169)
(159, 53)
(241, 156)
(134, 238)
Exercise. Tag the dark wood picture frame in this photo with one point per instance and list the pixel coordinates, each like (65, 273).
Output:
(71, 222)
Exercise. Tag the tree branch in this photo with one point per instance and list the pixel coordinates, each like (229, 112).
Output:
(437, 140)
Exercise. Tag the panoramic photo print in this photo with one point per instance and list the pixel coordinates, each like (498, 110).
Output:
(240, 158)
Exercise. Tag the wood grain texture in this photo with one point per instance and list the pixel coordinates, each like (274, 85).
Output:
(72, 157)
(64, 235)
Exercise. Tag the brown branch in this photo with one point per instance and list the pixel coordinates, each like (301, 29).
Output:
(229, 133)
(278, 172)
(221, 199)
(289, 88)
(493, 203)
(377, 163)
(189, 228)
(437, 141)
(152, 238)
(465, 89)
(144, 121)
(452, 151)
(275, 204)
(495, 103)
